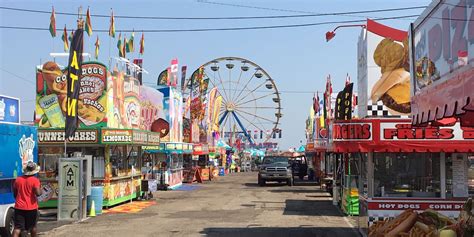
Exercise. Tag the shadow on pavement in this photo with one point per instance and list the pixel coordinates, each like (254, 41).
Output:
(296, 190)
(305, 183)
(280, 232)
(310, 208)
(269, 184)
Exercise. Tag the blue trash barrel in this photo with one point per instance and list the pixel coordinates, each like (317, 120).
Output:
(221, 171)
(97, 194)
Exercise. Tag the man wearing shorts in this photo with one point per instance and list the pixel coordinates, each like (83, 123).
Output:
(26, 189)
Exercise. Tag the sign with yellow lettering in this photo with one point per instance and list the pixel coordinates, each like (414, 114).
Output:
(73, 82)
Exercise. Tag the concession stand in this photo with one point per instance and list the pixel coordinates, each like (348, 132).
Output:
(201, 151)
(167, 163)
(116, 158)
(399, 166)
(116, 116)
(442, 82)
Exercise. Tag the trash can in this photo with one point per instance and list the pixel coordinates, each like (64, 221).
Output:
(97, 194)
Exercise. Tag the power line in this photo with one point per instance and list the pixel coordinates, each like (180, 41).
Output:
(312, 14)
(17, 76)
(309, 13)
(223, 29)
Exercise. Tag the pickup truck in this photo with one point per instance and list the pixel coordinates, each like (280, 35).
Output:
(18, 145)
(275, 168)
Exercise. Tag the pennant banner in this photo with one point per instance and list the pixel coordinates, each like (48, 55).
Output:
(183, 77)
(142, 44)
(88, 23)
(97, 47)
(73, 82)
(52, 24)
(112, 26)
(65, 39)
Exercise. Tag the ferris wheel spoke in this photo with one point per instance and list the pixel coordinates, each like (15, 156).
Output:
(257, 116)
(238, 81)
(255, 99)
(257, 107)
(215, 85)
(223, 86)
(246, 84)
(251, 122)
(237, 100)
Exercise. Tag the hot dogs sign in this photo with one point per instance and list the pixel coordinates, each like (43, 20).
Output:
(51, 95)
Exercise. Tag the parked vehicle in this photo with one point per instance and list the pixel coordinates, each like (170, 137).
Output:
(18, 145)
(299, 166)
(275, 168)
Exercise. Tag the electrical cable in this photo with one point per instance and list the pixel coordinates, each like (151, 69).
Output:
(222, 29)
(220, 18)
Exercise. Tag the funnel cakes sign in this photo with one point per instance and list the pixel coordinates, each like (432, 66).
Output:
(443, 82)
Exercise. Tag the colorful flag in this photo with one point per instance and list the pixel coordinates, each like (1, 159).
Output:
(130, 46)
(174, 73)
(73, 83)
(88, 22)
(124, 47)
(316, 103)
(119, 45)
(97, 47)
(112, 26)
(142, 44)
(65, 40)
(348, 79)
(71, 35)
(52, 24)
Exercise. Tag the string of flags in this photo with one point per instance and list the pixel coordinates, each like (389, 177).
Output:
(124, 45)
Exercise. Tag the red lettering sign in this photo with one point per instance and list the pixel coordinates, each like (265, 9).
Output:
(352, 131)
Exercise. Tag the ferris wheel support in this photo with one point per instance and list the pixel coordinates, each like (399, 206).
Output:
(243, 128)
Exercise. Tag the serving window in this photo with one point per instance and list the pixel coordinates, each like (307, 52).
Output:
(407, 175)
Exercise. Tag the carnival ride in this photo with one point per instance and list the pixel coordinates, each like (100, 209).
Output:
(251, 104)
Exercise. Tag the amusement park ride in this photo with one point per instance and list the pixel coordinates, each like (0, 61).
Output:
(251, 104)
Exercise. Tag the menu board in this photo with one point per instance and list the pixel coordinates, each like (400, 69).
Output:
(460, 176)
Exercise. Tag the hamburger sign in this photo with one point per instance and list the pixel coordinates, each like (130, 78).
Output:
(383, 71)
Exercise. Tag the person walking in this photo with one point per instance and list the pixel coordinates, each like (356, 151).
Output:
(26, 189)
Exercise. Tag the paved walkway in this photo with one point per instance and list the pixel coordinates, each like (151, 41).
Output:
(234, 205)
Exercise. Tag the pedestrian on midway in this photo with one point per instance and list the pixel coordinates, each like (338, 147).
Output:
(26, 189)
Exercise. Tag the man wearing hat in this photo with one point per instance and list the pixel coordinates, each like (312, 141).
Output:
(26, 189)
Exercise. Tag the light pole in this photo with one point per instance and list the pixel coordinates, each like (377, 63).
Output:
(331, 34)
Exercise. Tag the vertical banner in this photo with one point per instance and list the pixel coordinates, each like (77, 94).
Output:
(139, 62)
(339, 105)
(73, 82)
(183, 78)
(173, 78)
(346, 111)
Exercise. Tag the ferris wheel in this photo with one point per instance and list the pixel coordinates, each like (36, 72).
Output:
(251, 104)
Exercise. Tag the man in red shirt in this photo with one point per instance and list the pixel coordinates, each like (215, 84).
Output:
(26, 189)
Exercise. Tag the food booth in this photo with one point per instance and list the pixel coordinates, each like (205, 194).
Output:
(116, 114)
(401, 167)
(116, 157)
(167, 164)
(398, 167)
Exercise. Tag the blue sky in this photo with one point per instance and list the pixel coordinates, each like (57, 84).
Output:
(298, 59)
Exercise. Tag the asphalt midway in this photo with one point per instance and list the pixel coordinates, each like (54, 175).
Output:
(233, 205)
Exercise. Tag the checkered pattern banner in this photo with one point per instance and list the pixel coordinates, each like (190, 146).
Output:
(379, 215)
(377, 110)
